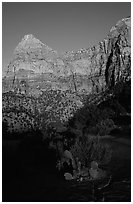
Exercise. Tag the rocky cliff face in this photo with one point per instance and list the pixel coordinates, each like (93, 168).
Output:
(32, 55)
(106, 63)
(36, 69)
(89, 70)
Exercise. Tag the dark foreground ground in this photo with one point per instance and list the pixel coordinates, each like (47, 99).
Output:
(28, 174)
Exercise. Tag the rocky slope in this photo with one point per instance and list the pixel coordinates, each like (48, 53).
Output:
(38, 72)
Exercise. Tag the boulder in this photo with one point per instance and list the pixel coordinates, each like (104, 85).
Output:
(68, 176)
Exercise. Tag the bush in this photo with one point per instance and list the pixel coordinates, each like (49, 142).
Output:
(90, 149)
(94, 118)
(102, 128)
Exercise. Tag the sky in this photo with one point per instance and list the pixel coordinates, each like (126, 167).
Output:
(63, 26)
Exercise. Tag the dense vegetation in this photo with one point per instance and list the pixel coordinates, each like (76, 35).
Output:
(30, 114)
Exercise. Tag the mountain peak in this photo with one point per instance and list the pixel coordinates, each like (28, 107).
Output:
(28, 42)
(31, 37)
(28, 36)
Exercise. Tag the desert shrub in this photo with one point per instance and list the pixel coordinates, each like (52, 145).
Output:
(91, 149)
(107, 113)
(97, 120)
(96, 114)
(104, 127)
(91, 115)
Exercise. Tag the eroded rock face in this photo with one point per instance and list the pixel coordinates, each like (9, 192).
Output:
(60, 82)
(32, 56)
(106, 63)
(91, 70)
